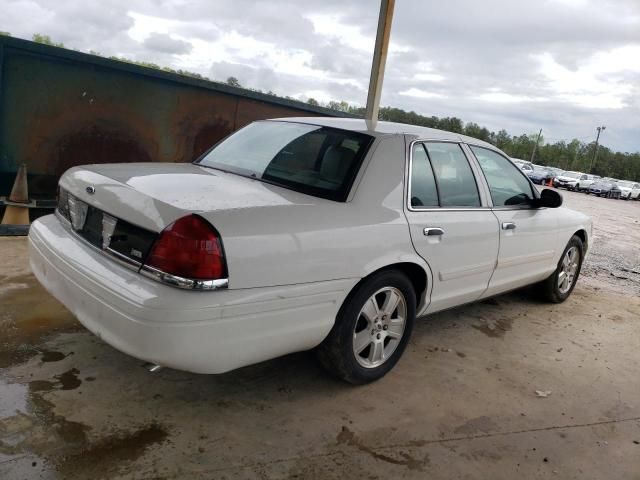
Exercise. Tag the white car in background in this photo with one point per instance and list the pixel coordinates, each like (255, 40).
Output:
(626, 188)
(525, 166)
(299, 233)
(568, 180)
(635, 192)
(585, 181)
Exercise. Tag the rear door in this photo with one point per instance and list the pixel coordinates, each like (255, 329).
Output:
(527, 235)
(451, 224)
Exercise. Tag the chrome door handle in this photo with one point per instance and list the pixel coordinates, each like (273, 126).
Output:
(433, 231)
(508, 226)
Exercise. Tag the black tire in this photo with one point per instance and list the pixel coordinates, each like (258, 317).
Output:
(336, 352)
(549, 289)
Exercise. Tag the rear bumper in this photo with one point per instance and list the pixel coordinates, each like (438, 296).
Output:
(202, 332)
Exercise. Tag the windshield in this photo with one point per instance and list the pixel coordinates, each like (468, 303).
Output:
(624, 183)
(571, 174)
(311, 159)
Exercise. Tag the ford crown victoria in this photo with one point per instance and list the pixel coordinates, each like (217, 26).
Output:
(296, 234)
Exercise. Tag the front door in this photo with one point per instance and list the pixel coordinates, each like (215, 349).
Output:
(451, 226)
(528, 236)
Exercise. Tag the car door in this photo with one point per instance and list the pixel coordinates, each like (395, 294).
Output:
(451, 224)
(528, 235)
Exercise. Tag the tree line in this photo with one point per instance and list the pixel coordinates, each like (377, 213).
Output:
(573, 155)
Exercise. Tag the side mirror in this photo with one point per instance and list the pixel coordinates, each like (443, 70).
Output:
(549, 198)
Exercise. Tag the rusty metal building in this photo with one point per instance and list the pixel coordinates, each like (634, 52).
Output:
(60, 108)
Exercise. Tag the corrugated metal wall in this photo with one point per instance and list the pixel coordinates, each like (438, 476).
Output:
(60, 108)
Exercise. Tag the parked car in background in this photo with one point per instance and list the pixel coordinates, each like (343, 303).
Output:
(298, 233)
(585, 181)
(523, 164)
(556, 171)
(605, 187)
(626, 187)
(635, 192)
(568, 180)
(540, 175)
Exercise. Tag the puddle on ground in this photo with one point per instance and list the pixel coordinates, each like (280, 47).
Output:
(13, 398)
(27, 315)
(29, 426)
(47, 356)
(495, 328)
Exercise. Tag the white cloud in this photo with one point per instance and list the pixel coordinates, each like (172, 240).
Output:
(503, 97)
(416, 92)
(597, 82)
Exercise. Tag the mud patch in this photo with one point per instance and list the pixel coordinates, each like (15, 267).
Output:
(69, 380)
(108, 453)
(494, 328)
(347, 437)
(476, 425)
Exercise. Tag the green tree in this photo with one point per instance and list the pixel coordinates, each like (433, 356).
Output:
(5, 34)
(234, 82)
(46, 40)
(312, 101)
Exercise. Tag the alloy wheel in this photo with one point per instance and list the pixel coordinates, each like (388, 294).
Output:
(568, 269)
(379, 327)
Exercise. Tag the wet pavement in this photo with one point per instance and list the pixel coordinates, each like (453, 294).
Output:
(460, 404)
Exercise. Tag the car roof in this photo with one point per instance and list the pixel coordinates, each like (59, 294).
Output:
(386, 128)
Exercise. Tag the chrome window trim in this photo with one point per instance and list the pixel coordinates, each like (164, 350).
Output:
(483, 200)
(534, 190)
(146, 270)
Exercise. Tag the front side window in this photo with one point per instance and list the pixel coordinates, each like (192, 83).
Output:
(441, 177)
(508, 186)
(311, 159)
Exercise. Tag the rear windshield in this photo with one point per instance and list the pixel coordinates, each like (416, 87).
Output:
(311, 159)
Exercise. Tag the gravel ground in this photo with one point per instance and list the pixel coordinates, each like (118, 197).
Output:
(614, 259)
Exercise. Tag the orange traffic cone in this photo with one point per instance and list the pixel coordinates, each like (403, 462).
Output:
(14, 213)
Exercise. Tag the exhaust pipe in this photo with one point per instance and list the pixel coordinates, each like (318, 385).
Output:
(152, 367)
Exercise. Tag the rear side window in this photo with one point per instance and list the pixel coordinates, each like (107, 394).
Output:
(507, 184)
(441, 176)
(311, 159)
(423, 184)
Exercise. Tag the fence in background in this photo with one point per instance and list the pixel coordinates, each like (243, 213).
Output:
(60, 108)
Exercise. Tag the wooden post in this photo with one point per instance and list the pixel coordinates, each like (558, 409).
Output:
(379, 61)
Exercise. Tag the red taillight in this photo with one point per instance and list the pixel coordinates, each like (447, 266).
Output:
(189, 248)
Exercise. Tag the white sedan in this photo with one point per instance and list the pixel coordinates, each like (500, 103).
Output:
(629, 190)
(300, 233)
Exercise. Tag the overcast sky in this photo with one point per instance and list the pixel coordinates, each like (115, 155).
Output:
(565, 66)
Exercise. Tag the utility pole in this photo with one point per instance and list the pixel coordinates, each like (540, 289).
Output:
(535, 147)
(595, 153)
(379, 61)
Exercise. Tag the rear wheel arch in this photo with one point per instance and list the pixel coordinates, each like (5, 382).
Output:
(416, 274)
